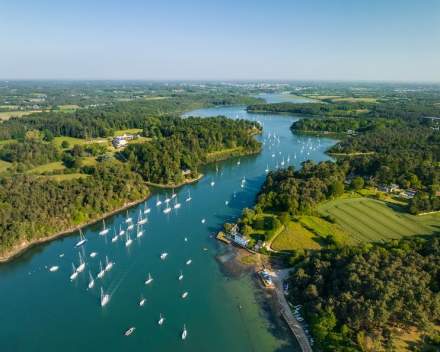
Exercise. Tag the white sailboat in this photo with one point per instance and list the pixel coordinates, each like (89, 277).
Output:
(212, 183)
(267, 169)
(105, 298)
(93, 254)
(141, 220)
(176, 204)
(149, 279)
(164, 255)
(146, 209)
(185, 294)
(173, 195)
(161, 319)
(167, 209)
(188, 199)
(128, 219)
(226, 202)
(142, 302)
(184, 332)
(81, 265)
(189, 261)
(130, 227)
(115, 237)
(128, 241)
(101, 271)
(91, 281)
(82, 239)
(53, 268)
(158, 201)
(181, 276)
(121, 231)
(203, 221)
(139, 232)
(108, 264)
(104, 230)
(74, 274)
(238, 163)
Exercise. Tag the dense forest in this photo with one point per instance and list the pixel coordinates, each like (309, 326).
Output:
(31, 152)
(298, 192)
(358, 298)
(33, 207)
(342, 125)
(184, 144)
(409, 109)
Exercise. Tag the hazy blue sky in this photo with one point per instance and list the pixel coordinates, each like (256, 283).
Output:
(223, 39)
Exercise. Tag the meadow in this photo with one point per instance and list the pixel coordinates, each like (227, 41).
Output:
(368, 220)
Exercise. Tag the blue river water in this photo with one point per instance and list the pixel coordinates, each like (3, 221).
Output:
(225, 309)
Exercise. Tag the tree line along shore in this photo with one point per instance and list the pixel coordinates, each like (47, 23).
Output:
(62, 170)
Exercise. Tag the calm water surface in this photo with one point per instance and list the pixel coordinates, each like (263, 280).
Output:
(45, 311)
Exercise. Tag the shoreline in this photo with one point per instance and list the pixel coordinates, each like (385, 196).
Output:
(24, 246)
(21, 248)
(183, 183)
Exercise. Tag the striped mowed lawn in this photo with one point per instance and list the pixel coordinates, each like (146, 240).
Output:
(372, 220)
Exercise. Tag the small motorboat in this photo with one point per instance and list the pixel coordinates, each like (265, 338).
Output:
(129, 331)
(164, 255)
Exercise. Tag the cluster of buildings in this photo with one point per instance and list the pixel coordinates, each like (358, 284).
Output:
(393, 188)
(122, 141)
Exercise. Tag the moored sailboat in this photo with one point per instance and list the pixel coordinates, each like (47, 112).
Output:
(104, 230)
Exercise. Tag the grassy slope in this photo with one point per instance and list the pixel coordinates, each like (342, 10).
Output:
(295, 236)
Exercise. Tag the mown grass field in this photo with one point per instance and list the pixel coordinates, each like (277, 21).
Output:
(68, 107)
(72, 141)
(323, 228)
(128, 131)
(8, 114)
(65, 177)
(295, 236)
(372, 220)
(50, 167)
(355, 100)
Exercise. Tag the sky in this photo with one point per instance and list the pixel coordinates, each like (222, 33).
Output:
(379, 40)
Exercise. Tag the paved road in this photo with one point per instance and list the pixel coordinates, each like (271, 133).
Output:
(278, 278)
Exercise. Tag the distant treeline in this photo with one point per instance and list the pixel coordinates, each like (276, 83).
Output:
(342, 125)
(404, 110)
(102, 121)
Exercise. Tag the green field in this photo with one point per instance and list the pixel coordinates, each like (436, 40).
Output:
(72, 141)
(323, 228)
(50, 167)
(295, 236)
(128, 131)
(8, 114)
(65, 177)
(372, 220)
(4, 165)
